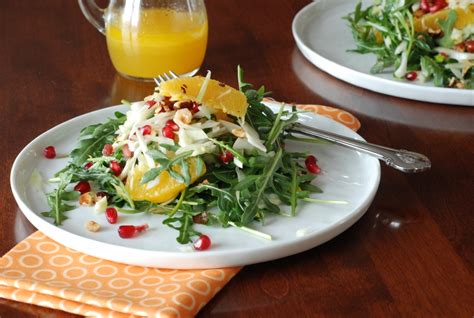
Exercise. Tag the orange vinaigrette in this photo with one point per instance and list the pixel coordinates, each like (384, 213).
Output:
(160, 41)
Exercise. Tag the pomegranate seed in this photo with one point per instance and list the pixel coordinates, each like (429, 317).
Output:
(102, 194)
(146, 130)
(461, 47)
(88, 165)
(111, 215)
(108, 150)
(115, 167)
(127, 153)
(433, 5)
(411, 76)
(438, 5)
(170, 123)
(311, 164)
(150, 103)
(310, 160)
(424, 5)
(313, 168)
(129, 231)
(202, 243)
(226, 157)
(469, 45)
(49, 152)
(82, 187)
(194, 108)
(168, 132)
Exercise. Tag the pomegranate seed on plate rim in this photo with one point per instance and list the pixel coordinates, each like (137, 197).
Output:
(411, 76)
(111, 215)
(202, 243)
(129, 231)
(49, 152)
(311, 164)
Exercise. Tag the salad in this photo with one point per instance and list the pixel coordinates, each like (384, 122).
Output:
(195, 151)
(418, 39)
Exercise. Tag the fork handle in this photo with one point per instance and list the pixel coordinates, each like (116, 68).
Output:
(403, 160)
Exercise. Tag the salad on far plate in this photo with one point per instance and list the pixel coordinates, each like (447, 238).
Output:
(419, 40)
(195, 151)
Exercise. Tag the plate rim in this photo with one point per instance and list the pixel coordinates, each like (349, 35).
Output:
(187, 260)
(439, 95)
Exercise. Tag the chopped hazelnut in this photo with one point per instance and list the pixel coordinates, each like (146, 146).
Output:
(201, 218)
(92, 226)
(87, 199)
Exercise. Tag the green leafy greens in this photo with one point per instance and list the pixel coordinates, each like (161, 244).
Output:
(230, 194)
(387, 30)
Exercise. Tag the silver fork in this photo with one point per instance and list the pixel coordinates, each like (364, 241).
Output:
(165, 77)
(400, 159)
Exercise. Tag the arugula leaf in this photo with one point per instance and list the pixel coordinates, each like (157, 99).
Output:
(430, 68)
(108, 182)
(294, 185)
(267, 174)
(183, 222)
(167, 165)
(93, 138)
(57, 199)
(447, 26)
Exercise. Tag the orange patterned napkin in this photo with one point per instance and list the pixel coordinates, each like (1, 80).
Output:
(41, 271)
(333, 113)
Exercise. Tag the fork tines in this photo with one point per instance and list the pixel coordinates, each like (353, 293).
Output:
(165, 77)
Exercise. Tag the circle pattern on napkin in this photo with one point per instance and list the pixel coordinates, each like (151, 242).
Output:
(43, 272)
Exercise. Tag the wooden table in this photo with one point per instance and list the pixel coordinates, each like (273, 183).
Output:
(411, 254)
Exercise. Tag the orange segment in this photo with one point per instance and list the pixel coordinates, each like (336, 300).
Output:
(218, 96)
(429, 22)
(167, 188)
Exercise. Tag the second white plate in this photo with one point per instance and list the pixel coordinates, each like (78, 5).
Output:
(324, 38)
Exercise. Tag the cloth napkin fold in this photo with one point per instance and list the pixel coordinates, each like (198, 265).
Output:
(43, 272)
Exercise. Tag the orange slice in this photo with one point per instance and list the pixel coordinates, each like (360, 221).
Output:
(429, 22)
(218, 96)
(167, 188)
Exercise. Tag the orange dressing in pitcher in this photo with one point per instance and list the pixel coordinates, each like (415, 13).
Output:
(160, 40)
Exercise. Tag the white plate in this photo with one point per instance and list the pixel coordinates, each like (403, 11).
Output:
(347, 175)
(324, 38)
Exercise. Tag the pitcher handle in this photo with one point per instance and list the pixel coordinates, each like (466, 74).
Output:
(93, 13)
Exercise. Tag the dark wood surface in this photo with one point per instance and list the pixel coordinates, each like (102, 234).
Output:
(411, 254)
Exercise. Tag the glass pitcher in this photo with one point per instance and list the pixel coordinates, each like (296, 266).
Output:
(146, 38)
